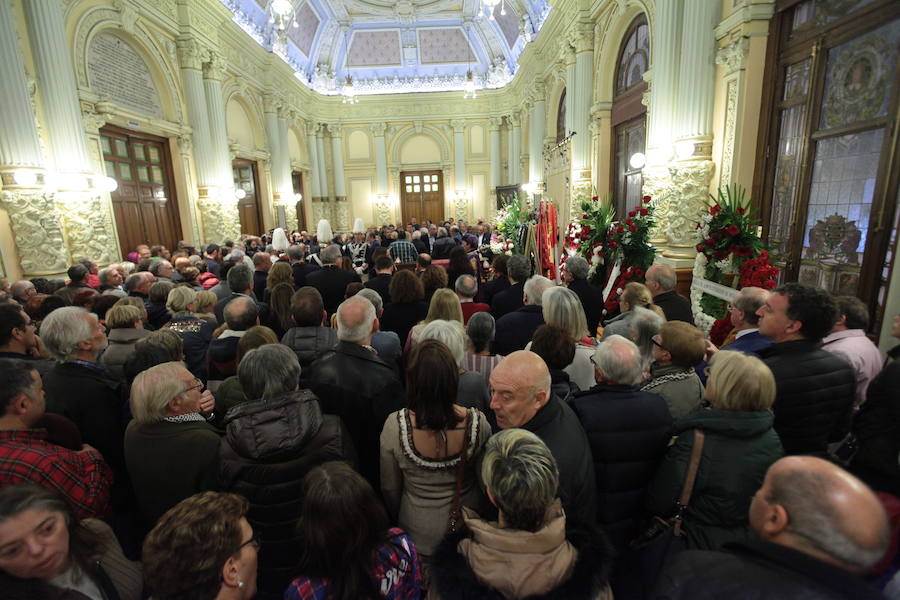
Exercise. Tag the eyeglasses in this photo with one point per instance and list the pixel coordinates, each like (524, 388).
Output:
(253, 541)
(657, 344)
(198, 385)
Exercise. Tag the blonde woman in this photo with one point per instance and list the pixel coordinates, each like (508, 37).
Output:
(279, 273)
(634, 295)
(739, 446)
(125, 330)
(444, 305)
(205, 305)
(194, 330)
(562, 307)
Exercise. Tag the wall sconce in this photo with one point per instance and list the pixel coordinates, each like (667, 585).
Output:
(684, 149)
(103, 183)
(637, 160)
(240, 193)
(298, 197)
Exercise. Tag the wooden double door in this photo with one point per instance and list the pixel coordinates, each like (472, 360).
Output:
(422, 195)
(247, 179)
(144, 202)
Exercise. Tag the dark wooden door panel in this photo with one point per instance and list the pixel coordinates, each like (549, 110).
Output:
(422, 195)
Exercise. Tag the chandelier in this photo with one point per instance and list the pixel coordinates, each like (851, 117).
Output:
(281, 12)
(348, 92)
(488, 7)
(470, 86)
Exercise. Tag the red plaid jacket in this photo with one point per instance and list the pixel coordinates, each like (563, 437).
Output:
(82, 478)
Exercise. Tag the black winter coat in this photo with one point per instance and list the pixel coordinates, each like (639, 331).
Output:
(196, 334)
(269, 446)
(442, 247)
(591, 298)
(814, 395)
(309, 343)
(354, 384)
(515, 329)
(675, 306)
(756, 570)
(332, 284)
(628, 431)
(877, 430)
(508, 300)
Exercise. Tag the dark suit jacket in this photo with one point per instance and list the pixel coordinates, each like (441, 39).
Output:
(508, 300)
(259, 282)
(591, 298)
(332, 284)
(301, 271)
(675, 306)
(381, 283)
(750, 343)
(515, 329)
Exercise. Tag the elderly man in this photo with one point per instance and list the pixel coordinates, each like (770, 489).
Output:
(78, 274)
(386, 343)
(81, 476)
(138, 286)
(19, 340)
(352, 382)
(466, 287)
(403, 250)
(81, 388)
(815, 389)
(520, 397)
(661, 281)
(575, 277)
(240, 282)
(111, 281)
(514, 330)
(848, 340)
(819, 528)
(518, 269)
(331, 280)
(171, 449)
(624, 464)
(162, 270)
(442, 246)
(240, 314)
(22, 290)
(300, 268)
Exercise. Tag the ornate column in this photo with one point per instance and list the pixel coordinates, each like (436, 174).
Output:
(56, 82)
(581, 143)
(515, 148)
(538, 123)
(571, 87)
(320, 156)
(733, 59)
(314, 186)
(220, 213)
(381, 175)
(189, 57)
(666, 59)
(341, 206)
(459, 155)
(282, 164)
(270, 108)
(19, 144)
(495, 152)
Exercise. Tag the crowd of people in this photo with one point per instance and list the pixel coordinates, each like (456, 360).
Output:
(397, 413)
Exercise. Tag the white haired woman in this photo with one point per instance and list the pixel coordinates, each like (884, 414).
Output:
(526, 553)
(473, 387)
(195, 331)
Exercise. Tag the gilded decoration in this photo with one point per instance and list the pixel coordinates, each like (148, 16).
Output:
(37, 232)
(690, 190)
(728, 143)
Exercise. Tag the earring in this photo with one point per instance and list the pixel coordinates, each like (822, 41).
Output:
(240, 584)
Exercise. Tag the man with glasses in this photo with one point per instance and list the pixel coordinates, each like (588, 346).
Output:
(19, 340)
(746, 336)
(171, 449)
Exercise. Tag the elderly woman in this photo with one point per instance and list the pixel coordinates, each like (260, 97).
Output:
(481, 329)
(525, 553)
(125, 330)
(642, 327)
(202, 548)
(633, 296)
(473, 387)
(426, 447)
(271, 443)
(561, 306)
(677, 349)
(196, 331)
(231, 393)
(157, 312)
(407, 306)
(47, 553)
(170, 449)
(739, 447)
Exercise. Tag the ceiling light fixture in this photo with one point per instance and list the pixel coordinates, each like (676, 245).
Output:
(470, 86)
(348, 92)
(488, 7)
(282, 12)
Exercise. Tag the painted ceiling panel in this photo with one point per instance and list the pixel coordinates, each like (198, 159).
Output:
(509, 24)
(374, 49)
(444, 46)
(305, 33)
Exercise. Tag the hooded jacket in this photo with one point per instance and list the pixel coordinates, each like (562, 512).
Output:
(269, 446)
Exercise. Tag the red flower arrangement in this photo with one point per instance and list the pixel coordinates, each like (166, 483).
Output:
(720, 330)
(759, 272)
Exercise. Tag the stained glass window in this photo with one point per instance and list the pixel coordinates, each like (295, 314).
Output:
(635, 57)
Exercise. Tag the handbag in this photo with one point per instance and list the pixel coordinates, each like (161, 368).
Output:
(664, 537)
(455, 521)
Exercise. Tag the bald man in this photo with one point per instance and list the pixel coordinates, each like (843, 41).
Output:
(521, 397)
(661, 281)
(819, 529)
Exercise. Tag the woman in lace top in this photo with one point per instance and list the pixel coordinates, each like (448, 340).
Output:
(422, 447)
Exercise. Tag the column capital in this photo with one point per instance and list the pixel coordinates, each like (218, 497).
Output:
(214, 68)
(458, 125)
(378, 129)
(320, 130)
(270, 103)
(311, 128)
(583, 37)
(335, 130)
(733, 56)
(514, 120)
(190, 53)
(496, 122)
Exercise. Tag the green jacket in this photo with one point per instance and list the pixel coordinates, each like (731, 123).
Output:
(739, 448)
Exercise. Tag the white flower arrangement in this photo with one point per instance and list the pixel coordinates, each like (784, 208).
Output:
(703, 321)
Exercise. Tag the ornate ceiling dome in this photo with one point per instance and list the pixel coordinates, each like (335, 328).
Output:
(390, 47)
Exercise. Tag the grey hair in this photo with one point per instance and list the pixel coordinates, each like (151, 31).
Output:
(534, 289)
(665, 276)
(329, 254)
(643, 325)
(749, 300)
(104, 273)
(268, 372)
(522, 476)
(451, 333)
(180, 298)
(156, 265)
(19, 288)
(373, 297)
(518, 268)
(562, 307)
(241, 313)
(64, 329)
(128, 266)
(577, 267)
(239, 278)
(481, 329)
(442, 232)
(806, 497)
(295, 252)
(466, 286)
(619, 360)
(358, 332)
(153, 389)
(135, 280)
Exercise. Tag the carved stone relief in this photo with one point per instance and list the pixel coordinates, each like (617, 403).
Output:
(461, 208)
(731, 102)
(37, 232)
(342, 215)
(220, 220)
(733, 57)
(88, 226)
(657, 184)
(690, 191)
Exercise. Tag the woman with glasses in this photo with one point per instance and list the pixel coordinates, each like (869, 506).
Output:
(677, 349)
(46, 553)
(171, 450)
(739, 446)
(202, 548)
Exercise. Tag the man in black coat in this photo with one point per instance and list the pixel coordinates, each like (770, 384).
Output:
(352, 382)
(240, 281)
(381, 282)
(299, 267)
(661, 281)
(262, 262)
(518, 269)
(331, 280)
(628, 431)
(515, 329)
(575, 275)
(521, 397)
(814, 388)
(819, 530)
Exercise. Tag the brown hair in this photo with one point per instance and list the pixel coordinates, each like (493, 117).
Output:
(432, 384)
(136, 302)
(280, 302)
(406, 287)
(554, 345)
(256, 336)
(122, 316)
(307, 306)
(433, 278)
(684, 342)
(280, 272)
(184, 554)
